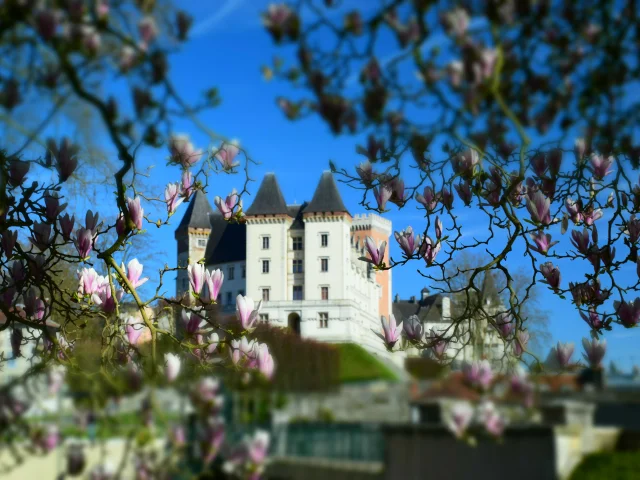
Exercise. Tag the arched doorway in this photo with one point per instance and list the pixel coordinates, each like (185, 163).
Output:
(294, 323)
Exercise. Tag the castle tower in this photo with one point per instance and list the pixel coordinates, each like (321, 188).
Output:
(378, 228)
(192, 235)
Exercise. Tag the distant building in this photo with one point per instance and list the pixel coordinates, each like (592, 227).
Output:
(300, 260)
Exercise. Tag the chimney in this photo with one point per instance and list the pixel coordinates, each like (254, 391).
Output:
(412, 299)
(425, 293)
(396, 299)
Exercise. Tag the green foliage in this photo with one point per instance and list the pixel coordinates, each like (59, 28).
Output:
(358, 365)
(610, 465)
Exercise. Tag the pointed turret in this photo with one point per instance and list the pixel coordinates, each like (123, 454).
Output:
(269, 199)
(197, 214)
(326, 198)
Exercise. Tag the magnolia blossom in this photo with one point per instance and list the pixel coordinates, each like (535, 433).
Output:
(492, 420)
(478, 373)
(428, 198)
(594, 351)
(192, 321)
(464, 192)
(8, 241)
(456, 22)
(542, 242)
(429, 250)
(172, 366)
(196, 274)
(390, 331)
(465, 163)
(382, 196)
(601, 166)
(265, 361)
(407, 241)
(226, 156)
(133, 330)
(365, 171)
(505, 324)
(226, 207)
(66, 225)
(182, 151)
(520, 385)
(413, 328)
(187, 184)
(244, 351)
(147, 29)
(90, 281)
(134, 272)
(458, 418)
(628, 312)
(376, 253)
(245, 311)
(520, 343)
(173, 197)
(34, 306)
(213, 284)
(17, 172)
(41, 237)
(539, 206)
(120, 225)
(439, 346)
(52, 205)
(592, 319)
(135, 211)
(551, 274)
(574, 209)
(563, 353)
(84, 242)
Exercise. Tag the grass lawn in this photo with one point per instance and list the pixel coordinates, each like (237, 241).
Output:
(609, 466)
(358, 365)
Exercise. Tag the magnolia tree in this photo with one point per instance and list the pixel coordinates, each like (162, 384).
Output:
(102, 54)
(519, 115)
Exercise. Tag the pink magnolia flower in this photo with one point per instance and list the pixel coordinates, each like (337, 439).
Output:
(84, 242)
(493, 422)
(589, 215)
(34, 306)
(91, 221)
(265, 361)
(428, 199)
(397, 192)
(407, 241)
(192, 321)
(128, 57)
(520, 385)
(226, 156)
(581, 240)
(8, 242)
(554, 161)
(52, 205)
(104, 298)
(187, 184)
(133, 330)
(563, 353)
(429, 250)
(51, 438)
(226, 207)
(456, 22)
(66, 225)
(243, 351)
(90, 281)
(147, 29)
(574, 209)
(172, 366)
(213, 282)
(278, 20)
(579, 149)
(628, 312)
(41, 236)
(245, 311)
(376, 254)
(178, 436)
(413, 328)
(539, 164)
(538, 206)
(373, 145)
(551, 274)
(390, 331)
(601, 166)
(438, 228)
(365, 171)
(464, 192)
(382, 195)
(182, 151)
(66, 156)
(135, 211)
(542, 242)
(172, 196)
(134, 272)
(459, 418)
(594, 351)
(258, 447)
(120, 225)
(520, 343)
(17, 172)
(214, 436)
(447, 198)
(505, 324)
(633, 229)
(465, 163)
(439, 346)
(592, 319)
(196, 274)
(478, 374)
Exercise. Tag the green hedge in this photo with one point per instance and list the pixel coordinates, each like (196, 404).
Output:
(609, 466)
(358, 365)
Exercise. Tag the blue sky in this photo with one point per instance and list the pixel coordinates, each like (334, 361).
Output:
(226, 50)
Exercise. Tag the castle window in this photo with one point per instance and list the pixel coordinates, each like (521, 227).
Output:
(264, 317)
(297, 266)
(324, 293)
(202, 242)
(324, 319)
(297, 292)
(232, 272)
(324, 240)
(229, 298)
(265, 266)
(324, 264)
(265, 243)
(265, 294)
(244, 271)
(297, 243)
(241, 292)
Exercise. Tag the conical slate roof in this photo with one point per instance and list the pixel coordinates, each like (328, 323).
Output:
(227, 241)
(269, 199)
(326, 197)
(197, 214)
